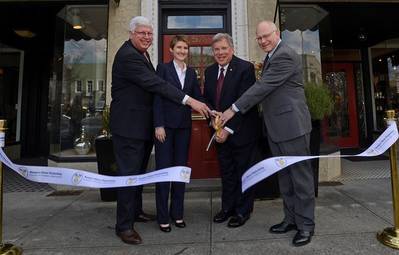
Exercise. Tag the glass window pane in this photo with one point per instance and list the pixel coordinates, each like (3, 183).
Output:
(77, 90)
(385, 66)
(9, 85)
(196, 22)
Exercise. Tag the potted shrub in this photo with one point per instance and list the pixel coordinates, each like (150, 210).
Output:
(320, 105)
(106, 162)
(319, 100)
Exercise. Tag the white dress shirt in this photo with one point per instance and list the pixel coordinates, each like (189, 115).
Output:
(181, 73)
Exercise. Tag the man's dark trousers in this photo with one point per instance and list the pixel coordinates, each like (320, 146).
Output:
(132, 157)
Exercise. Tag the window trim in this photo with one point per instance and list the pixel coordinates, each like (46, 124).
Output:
(98, 85)
(76, 86)
(87, 87)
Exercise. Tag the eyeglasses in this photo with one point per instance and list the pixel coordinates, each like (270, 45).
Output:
(265, 37)
(143, 34)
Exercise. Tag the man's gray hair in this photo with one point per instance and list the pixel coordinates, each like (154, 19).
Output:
(139, 21)
(220, 36)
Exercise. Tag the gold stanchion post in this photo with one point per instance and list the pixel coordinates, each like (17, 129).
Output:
(5, 248)
(390, 236)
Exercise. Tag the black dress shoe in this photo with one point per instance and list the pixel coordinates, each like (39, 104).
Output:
(302, 238)
(166, 229)
(282, 228)
(222, 216)
(180, 224)
(237, 221)
(145, 217)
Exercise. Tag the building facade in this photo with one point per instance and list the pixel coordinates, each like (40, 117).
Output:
(56, 60)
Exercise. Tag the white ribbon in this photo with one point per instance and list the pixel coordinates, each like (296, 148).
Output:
(258, 172)
(272, 165)
(73, 177)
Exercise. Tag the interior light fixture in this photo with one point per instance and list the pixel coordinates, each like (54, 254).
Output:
(76, 20)
(25, 33)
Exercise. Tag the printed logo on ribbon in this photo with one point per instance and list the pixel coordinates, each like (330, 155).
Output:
(372, 152)
(77, 178)
(23, 171)
(131, 181)
(280, 162)
(185, 174)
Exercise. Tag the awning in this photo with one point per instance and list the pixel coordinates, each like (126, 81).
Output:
(301, 17)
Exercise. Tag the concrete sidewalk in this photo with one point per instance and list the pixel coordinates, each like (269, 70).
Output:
(348, 217)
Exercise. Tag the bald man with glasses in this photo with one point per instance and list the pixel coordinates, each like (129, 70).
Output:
(287, 122)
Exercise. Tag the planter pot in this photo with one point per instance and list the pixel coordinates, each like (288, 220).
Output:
(106, 164)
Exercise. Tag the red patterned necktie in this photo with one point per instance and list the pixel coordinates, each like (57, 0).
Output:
(219, 86)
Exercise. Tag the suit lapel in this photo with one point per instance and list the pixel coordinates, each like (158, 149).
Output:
(228, 79)
(188, 79)
(174, 74)
(145, 60)
(267, 66)
(214, 79)
(148, 61)
(274, 54)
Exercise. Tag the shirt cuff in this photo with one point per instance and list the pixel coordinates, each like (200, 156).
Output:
(185, 99)
(234, 108)
(231, 131)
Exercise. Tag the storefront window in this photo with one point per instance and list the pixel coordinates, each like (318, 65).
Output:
(300, 30)
(77, 89)
(309, 30)
(11, 63)
(385, 66)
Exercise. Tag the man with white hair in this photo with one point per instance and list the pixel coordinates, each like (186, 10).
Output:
(286, 117)
(134, 83)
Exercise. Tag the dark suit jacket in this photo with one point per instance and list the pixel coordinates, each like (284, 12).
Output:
(239, 77)
(281, 94)
(168, 113)
(134, 83)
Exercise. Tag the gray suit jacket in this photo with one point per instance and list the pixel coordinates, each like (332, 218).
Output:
(281, 94)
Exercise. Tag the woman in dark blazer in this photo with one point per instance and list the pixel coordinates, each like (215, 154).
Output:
(172, 132)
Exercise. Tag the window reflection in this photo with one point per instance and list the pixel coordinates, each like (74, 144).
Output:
(77, 90)
(307, 44)
(385, 66)
(196, 22)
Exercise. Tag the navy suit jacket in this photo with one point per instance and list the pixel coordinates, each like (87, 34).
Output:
(134, 83)
(168, 113)
(239, 77)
